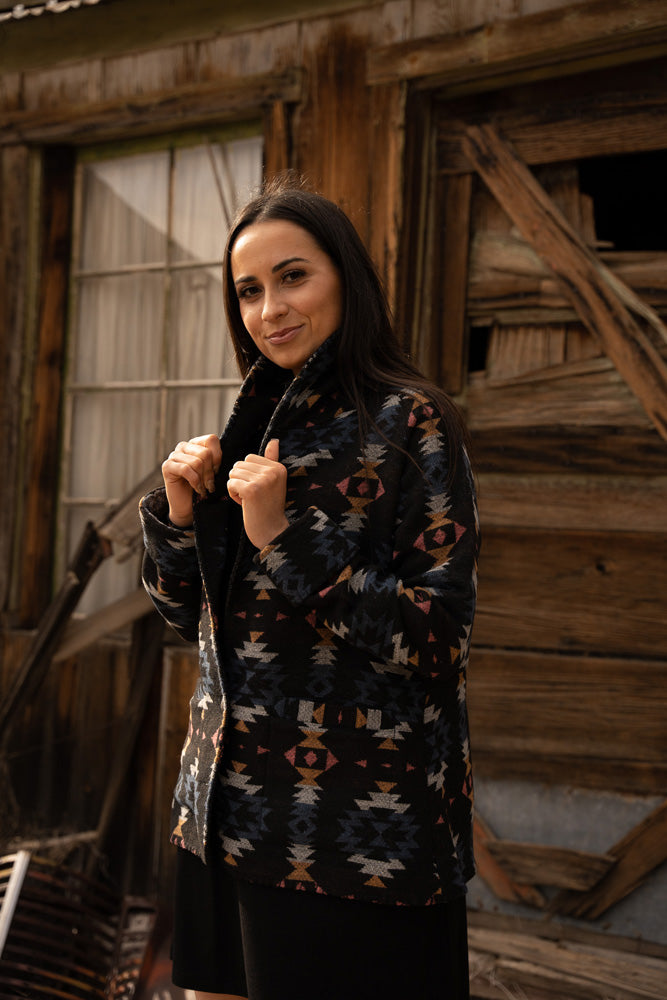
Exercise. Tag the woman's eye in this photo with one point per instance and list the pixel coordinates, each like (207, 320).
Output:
(294, 275)
(248, 291)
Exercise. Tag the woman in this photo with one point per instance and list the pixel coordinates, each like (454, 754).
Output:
(324, 554)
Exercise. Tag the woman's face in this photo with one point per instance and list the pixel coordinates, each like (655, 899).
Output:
(289, 291)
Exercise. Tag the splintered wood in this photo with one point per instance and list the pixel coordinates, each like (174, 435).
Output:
(506, 965)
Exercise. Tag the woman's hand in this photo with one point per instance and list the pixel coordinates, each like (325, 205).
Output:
(190, 469)
(260, 486)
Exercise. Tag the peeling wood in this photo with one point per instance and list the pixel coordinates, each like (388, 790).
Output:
(547, 43)
(600, 299)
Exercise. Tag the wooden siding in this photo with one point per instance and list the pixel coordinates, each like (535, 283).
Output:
(568, 660)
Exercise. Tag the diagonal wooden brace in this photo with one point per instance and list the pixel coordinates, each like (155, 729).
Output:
(604, 304)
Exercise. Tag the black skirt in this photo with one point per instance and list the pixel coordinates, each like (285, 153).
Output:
(268, 943)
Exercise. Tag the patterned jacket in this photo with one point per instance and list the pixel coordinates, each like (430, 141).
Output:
(330, 717)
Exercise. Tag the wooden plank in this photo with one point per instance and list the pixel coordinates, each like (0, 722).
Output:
(552, 41)
(544, 864)
(14, 174)
(597, 449)
(42, 452)
(577, 503)
(452, 276)
(573, 591)
(588, 393)
(276, 140)
(145, 655)
(186, 106)
(331, 144)
(181, 670)
(387, 147)
(71, 85)
(501, 883)
(601, 301)
(642, 850)
(594, 132)
(82, 633)
(120, 525)
(604, 972)
(419, 339)
(588, 721)
(47, 41)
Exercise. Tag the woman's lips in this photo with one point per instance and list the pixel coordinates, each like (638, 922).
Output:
(283, 336)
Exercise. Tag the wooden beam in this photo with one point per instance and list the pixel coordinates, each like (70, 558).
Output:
(642, 850)
(79, 635)
(600, 299)
(529, 965)
(189, 106)
(42, 452)
(544, 864)
(452, 275)
(548, 43)
(276, 140)
(14, 184)
(136, 25)
(386, 203)
(492, 872)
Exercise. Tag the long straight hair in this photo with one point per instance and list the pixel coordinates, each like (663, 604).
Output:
(370, 357)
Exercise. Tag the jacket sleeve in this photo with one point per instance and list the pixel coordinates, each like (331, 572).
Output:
(170, 570)
(417, 613)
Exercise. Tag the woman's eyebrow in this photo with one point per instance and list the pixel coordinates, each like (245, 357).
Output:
(274, 269)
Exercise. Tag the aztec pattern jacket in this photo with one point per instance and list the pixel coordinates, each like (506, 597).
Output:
(328, 741)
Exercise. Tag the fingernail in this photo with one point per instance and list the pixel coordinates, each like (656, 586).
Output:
(210, 485)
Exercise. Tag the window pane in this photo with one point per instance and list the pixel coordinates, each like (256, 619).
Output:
(191, 412)
(119, 324)
(124, 211)
(199, 345)
(210, 183)
(113, 442)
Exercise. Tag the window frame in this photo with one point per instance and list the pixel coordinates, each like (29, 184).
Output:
(70, 390)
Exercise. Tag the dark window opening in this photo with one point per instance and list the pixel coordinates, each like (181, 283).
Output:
(478, 348)
(629, 198)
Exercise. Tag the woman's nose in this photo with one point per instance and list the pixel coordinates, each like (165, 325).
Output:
(274, 305)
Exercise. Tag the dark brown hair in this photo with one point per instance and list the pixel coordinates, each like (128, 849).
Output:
(369, 352)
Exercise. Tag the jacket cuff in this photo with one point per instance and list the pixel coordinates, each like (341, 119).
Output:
(308, 557)
(161, 536)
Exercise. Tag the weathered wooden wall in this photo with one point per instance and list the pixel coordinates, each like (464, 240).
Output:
(568, 665)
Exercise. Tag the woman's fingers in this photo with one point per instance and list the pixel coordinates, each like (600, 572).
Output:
(190, 467)
(259, 484)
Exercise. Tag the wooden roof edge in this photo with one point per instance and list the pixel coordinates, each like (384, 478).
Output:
(578, 31)
(190, 104)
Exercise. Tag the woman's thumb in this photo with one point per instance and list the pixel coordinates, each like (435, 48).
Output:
(272, 451)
